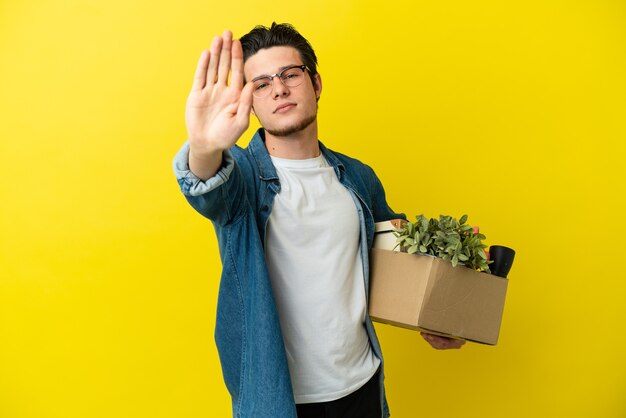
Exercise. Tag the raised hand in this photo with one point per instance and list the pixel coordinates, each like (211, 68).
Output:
(218, 112)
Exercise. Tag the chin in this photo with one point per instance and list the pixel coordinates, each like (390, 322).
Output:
(292, 128)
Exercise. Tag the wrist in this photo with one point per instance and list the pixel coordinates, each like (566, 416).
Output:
(204, 163)
(203, 154)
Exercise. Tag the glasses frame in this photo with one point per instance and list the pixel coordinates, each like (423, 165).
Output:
(279, 75)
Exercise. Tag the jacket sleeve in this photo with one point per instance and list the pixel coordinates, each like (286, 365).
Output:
(380, 208)
(221, 198)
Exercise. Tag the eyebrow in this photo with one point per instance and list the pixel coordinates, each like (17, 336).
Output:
(279, 70)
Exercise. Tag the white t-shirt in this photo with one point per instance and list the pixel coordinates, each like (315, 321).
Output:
(316, 270)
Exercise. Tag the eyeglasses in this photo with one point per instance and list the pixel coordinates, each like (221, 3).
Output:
(291, 76)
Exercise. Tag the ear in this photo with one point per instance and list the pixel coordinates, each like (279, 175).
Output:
(318, 85)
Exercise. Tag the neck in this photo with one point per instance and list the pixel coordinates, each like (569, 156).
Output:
(300, 145)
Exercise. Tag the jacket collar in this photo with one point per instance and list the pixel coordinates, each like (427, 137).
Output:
(257, 149)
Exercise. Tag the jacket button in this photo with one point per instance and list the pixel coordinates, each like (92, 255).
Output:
(264, 208)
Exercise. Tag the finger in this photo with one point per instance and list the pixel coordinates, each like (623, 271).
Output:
(224, 67)
(245, 105)
(214, 60)
(199, 78)
(237, 64)
(442, 343)
(452, 344)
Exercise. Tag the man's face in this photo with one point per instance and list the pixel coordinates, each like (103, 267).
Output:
(285, 110)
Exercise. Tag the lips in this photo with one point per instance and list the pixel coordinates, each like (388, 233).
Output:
(284, 107)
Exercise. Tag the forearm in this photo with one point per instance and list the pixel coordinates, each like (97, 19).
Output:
(221, 197)
(205, 165)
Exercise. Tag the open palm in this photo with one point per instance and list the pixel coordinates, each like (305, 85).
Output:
(217, 112)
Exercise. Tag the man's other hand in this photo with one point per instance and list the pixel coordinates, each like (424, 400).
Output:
(442, 343)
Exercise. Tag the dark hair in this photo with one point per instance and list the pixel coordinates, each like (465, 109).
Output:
(282, 34)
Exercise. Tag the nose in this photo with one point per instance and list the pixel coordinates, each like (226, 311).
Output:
(279, 88)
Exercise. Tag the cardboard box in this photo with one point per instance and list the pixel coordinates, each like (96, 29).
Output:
(426, 293)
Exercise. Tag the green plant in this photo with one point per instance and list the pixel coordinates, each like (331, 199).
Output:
(445, 238)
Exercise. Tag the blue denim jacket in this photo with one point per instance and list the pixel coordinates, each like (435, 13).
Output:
(238, 200)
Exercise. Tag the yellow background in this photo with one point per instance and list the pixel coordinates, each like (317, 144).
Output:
(512, 112)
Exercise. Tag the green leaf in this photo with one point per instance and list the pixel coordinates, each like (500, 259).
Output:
(444, 237)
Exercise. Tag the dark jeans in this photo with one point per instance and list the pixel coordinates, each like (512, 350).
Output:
(364, 403)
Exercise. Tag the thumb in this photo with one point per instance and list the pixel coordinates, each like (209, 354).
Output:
(245, 104)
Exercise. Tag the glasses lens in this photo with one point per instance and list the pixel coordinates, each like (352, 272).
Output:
(262, 86)
(292, 77)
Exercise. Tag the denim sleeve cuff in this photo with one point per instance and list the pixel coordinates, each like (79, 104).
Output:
(191, 185)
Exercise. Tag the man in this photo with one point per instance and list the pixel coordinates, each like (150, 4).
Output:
(294, 222)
